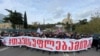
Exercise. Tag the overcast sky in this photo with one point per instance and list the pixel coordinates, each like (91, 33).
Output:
(51, 10)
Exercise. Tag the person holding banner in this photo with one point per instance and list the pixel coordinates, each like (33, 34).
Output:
(1, 44)
(97, 44)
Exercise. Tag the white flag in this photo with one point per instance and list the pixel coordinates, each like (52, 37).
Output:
(39, 31)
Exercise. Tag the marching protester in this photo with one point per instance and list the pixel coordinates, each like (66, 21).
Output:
(0, 40)
(97, 45)
(46, 35)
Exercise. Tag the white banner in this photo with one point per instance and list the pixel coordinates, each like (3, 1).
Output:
(49, 44)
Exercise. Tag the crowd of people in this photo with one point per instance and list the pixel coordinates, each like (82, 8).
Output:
(61, 35)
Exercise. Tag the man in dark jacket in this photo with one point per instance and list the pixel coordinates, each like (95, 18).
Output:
(97, 44)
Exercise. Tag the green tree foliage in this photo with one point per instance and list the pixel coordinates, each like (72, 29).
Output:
(32, 27)
(82, 22)
(67, 26)
(14, 17)
(25, 21)
(93, 26)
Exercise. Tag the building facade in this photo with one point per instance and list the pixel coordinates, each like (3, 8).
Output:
(68, 19)
(5, 25)
(8, 25)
